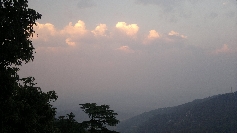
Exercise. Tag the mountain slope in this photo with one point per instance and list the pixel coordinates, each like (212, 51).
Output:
(214, 114)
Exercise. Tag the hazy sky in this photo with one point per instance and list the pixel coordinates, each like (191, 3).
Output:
(135, 55)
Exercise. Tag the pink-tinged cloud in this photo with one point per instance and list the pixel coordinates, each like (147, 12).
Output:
(153, 35)
(47, 49)
(44, 31)
(224, 49)
(75, 30)
(70, 34)
(173, 33)
(126, 49)
(69, 42)
(74, 35)
(129, 30)
(100, 30)
(173, 37)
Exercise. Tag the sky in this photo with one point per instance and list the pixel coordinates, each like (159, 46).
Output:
(135, 55)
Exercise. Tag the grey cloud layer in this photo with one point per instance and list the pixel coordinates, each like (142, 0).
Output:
(82, 4)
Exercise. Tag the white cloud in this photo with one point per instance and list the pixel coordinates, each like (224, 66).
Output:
(130, 30)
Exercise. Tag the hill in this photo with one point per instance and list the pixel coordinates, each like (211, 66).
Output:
(213, 114)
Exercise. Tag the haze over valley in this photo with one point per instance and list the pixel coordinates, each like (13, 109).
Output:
(136, 55)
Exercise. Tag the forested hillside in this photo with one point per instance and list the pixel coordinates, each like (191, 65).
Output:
(212, 114)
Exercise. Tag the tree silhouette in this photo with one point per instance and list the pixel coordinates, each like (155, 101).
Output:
(100, 117)
(24, 107)
(67, 124)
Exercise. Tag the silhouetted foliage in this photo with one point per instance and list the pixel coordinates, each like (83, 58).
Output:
(67, 124)
(24, 107)
(100, 117)
(16, 28)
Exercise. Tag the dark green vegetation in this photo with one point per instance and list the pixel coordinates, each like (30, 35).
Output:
(216, 114)
(23, 106)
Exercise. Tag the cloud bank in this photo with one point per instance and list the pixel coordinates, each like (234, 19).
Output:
(122, 37)
(77, 35)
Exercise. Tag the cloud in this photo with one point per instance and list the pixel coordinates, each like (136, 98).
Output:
(181, 7)
(121, 38)
(100, 30)
(224, 49)
(50, 50)
(44, 31)
(169, 38)
(168, 5)
(74, 33)
(130, 30)
(125, 49)
(158, 2)
(153, 35)
(49, 36)
(75, 30)
(70, 43)
(86, 4)
(46, 35)
(173, 33)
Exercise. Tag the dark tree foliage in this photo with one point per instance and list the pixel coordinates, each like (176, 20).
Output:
(17, 21)
(67, 124)
(29, 109)
(100, 117)
(23, 106)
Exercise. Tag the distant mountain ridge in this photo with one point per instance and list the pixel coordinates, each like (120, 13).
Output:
(216, 114)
